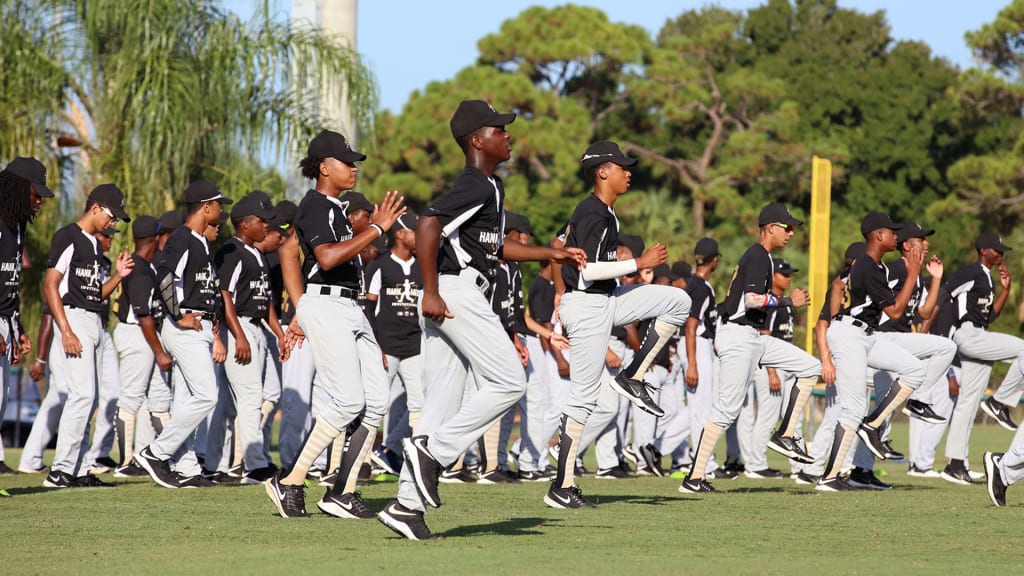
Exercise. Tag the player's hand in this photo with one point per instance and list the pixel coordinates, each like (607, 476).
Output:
(828, 371)
(435, 308)
(522, 350)
(563, 368)
(692, 377)
(191, 322)
(243, 354)
(164, 361)
(72, 345)
(774, 383)
(612, 360)
(284, 348)
(220, 352)
(387, 212)
(294, 335)
(125, 264)
(569, 257)
(799, 298)
(559, 341)
(934, 267)
(1004, 276)
(646, 275)
(954, 387)
(653, 256)
(3, 348)
(25, 345)
(37, 371)
(915, 259)
(384, 359)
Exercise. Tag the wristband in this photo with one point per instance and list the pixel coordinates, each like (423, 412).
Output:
(380, 231)
(40, 360)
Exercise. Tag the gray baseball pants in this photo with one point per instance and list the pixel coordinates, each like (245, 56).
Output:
(80, 379)
(48, 417)
(245, 382)
(195, 391)
(755, 427)
(109, 375)
(924, 436)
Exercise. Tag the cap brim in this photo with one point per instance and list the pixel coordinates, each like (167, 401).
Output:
(791, 221)
(501, 120)
(624, 161)
(120, 213)
(1004, 248)
(351, 156)
(43, 191)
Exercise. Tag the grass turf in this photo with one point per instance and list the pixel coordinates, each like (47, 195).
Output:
(754, 527)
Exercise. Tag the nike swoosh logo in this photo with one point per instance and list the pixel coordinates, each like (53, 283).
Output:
(345, 505)
(400, 513)
(565, 500)
(421, 444)
(589, 156)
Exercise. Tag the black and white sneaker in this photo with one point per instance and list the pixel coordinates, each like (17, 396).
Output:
(569, 498)
(806, 478)
(636, 392)
(619, 472)
(58, 479)
(766, 474)
(130, 470)
(996, 485)
(999, 411)
(891, 453)
(328, 480)
(6, 470)
(218, 477)
(197, 481)
(872, 439)
(498, 476)
(258, 476)
(836, 484)
(405, 522)
(724, 473)
(534, 475)
(159, 470)
(90, 481)
(388, 461)
(350, 505)
(289, 500)
(459, 476)
(916, 472)
(630, 454)
(424, 467)
(696, 486)
(866, 479)
(652, 458)
(236, 471)
(922, 411)
(789, 447)
(956, 473)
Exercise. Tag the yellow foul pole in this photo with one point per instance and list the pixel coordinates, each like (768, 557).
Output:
(821, 202)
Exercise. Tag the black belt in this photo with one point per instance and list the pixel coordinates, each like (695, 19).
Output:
(335, 291)
(589, 291)
(253, 320)
(204, 315)
(867, 328)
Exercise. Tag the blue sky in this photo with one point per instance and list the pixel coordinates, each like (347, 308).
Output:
(409, 43)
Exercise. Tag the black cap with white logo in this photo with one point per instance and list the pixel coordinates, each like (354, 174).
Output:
(604, 151)
(202, 191)
(356, 201)
(471, 115)
(111, 198)
(877, 221)
(785, 268)
(777, 213)
(990, 240)
(32, 170)
(252, 205)
(330, 144)
(912, 230)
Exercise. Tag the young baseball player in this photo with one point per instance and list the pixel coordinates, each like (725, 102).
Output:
(1003, 469)
(75, 290)
(458, 243)
(345, 352)
(699, 335)
(977, 305)
(97, 459)
(188, 287)
(22, 189)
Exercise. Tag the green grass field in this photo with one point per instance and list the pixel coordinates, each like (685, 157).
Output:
(643, 525)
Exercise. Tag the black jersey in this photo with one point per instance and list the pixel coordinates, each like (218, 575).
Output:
(472, 218)
(753, 273)
(502, 300)
(518, 305)
(897, 278)
(273, 260)
(702, 305)
(541, 300)
(245, 275)
(187, 257)
(944, 321)
(867, 292)
(322, 219)
(12, 248)
(136, 296)
(76, 255)
(398, 285)
(594, 229)
(105, 267)
(780, 323)
(973, 294)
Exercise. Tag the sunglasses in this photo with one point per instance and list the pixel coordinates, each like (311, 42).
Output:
(113, 219)
(785, 227)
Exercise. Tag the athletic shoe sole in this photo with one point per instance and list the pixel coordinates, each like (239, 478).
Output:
(927, 474)
(865, 486)
(397, 526)
(48, 484)
(991, 470)
(275, 497)
(634, 400)
(863, 435)
(953, 479)
(144, 463)
(336, 510)
(554, 503)
(383, 464)
(43, 470)
(936, 420)
(412, 457)
(828, 488)
(992, 414)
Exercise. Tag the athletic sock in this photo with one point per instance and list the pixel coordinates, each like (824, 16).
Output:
(335, 452)
(236, 445)
(837, 455)
(898, 393)
(658, 335)
(705, 448)
(124, 424)
(359, 444)
(265, 409)
(568, 444)
(414, 419)
(319, 438)
(489, 454)
(798, 397)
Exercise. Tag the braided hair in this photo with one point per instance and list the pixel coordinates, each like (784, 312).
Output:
(15, 199)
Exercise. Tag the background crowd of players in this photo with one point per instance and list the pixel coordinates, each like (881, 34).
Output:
(933, 356)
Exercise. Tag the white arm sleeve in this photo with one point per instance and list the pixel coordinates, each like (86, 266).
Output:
(595, 271)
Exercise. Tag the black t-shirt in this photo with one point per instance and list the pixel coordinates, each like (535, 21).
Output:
(245, 275)
(398, 286)
(136, 296)
(897, 278)
(12, 246)
(322, 219)
(781, 323)
(105, 266)
(76, 255)
(518, 306)
(187, 256)
(753, 274)
(273, 260)
(702, 305)
(867, 292)
(502, 300)
(973, 294)
(472, 218)
(541, 300)
(944, 321)
(594, 229)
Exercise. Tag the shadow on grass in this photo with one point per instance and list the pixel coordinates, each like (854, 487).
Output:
(32, 490)
(510, 527)
(645, 499)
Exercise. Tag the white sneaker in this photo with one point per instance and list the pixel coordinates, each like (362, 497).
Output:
(976, 476)
(916, 472)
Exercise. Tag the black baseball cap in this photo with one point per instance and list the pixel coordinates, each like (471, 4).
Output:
(471, 115)
(663, 271)
(110, 197)
(990, 240)
(777, 213)
(330, 144)
(286, 209)
(634, 243)
(356, 201)
(252, 205)
(170, 220)
(855, 250)
(517, 222)
(785, 268)
(605, 151)
(706, 247)
(32, 170)
(912, 230)
(877, 221)
(407, 221)
(682, 269)
(145, 227)
(204, 191)
(109, 232)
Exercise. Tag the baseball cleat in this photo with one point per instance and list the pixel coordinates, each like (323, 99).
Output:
(569, 498)
(866, 479)
(197, 481)
(497, 477)
(350, 505)
(58, 479)
(872, 439)
(696, 486)
(159, 470)
(766, 474)
(1000, 412)
(652, 458)
(806, 479)
(289, 500)
(916, 472)
(836, 484)
(636, 392)
(922, 411)
(424, 467)
(996, 485)
(405, 522)
(957, 474)
(789, 447)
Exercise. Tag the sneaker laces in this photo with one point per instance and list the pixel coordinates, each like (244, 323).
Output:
(358, 505)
